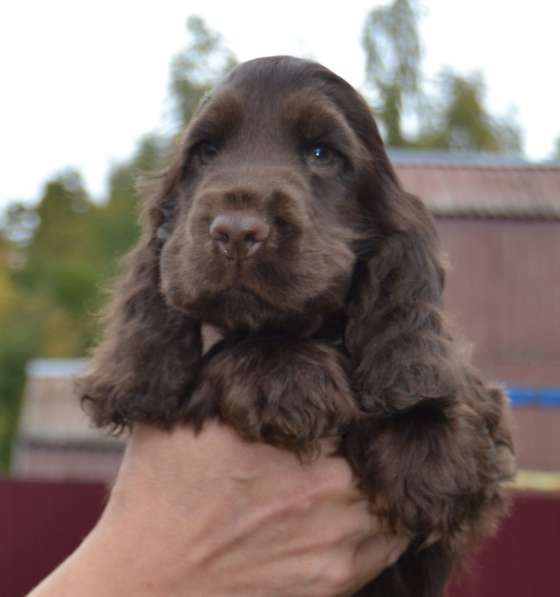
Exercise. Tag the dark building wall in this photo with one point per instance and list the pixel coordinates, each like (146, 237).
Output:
(503, 292)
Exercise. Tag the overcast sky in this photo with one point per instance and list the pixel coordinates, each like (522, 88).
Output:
(81, 81)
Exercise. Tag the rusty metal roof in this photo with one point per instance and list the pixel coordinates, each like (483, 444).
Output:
(480, 185)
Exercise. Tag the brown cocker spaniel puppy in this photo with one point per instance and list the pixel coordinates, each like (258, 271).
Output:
(282, 222)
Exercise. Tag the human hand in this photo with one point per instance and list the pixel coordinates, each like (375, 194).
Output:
(210, 515)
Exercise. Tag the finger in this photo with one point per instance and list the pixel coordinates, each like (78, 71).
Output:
(377, 553)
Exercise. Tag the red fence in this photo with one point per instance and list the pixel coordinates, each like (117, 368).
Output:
(42, 522)
(522, 561)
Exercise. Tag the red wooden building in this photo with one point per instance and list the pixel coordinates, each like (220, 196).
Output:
(499, 223)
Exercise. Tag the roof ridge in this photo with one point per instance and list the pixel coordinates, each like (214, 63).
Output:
(464, 166)
(528, 191)
(484, 160)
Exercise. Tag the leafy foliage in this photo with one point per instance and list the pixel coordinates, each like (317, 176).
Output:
(57, 257)
(453, 118)
(461, 121)
(197, 68)
(556, 150)
(393, 57)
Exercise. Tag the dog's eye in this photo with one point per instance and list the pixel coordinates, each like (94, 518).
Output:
(320, 154)
(205, 152)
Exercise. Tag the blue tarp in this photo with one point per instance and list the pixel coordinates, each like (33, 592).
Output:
(523, 396)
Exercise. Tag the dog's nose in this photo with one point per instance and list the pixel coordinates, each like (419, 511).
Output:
(239, 235)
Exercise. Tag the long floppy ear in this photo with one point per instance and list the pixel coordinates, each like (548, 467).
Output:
(149, 356)
(395, 335)
(433, 447)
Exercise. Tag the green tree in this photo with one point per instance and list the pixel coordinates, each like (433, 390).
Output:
(49, 279)
(59, 265)
(462, 121)
(16, 348)
(556, 150)
(116, 226)
(61, 244)
(393, 58)
(18, 319)
(196, 69)
(454, 118)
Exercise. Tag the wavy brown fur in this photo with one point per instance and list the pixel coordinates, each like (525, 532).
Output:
(333, 328)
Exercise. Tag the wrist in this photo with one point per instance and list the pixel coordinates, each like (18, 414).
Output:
(115, 560)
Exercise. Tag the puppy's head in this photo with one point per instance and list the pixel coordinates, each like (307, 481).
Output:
(260, 217)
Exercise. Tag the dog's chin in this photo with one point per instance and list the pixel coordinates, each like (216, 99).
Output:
(235, 309)
(243, 304)
(238, 309)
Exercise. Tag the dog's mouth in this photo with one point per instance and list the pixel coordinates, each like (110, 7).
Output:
(239, 275)
(255, 294)
(257, 279)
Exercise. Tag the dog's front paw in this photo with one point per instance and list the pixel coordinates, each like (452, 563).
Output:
(288, 393)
